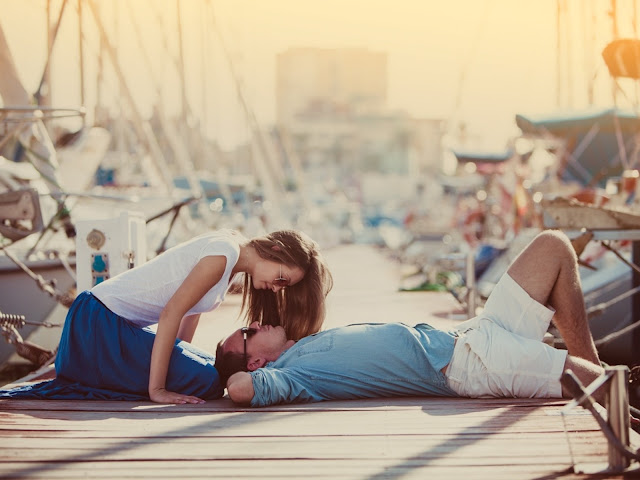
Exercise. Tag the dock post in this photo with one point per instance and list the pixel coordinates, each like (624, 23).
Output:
(635, 304)
(617, 405)
(471, 284)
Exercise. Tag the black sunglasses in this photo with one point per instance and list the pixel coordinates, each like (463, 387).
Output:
(247, 333)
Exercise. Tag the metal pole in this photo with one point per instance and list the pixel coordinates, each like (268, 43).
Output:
(635, 304)
(471, 284)
(617, 404)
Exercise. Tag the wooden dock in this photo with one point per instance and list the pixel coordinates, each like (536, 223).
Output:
(399, 438)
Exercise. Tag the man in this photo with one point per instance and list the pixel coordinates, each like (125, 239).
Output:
(499, 353)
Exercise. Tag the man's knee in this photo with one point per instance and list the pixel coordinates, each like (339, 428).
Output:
(549, 251)
(555, 240)
(555, 244)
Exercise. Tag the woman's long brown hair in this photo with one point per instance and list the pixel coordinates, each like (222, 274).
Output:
(300, 308)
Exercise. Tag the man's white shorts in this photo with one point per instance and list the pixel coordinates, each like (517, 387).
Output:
(500, 352)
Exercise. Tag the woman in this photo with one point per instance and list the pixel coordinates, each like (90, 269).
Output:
(107, 350)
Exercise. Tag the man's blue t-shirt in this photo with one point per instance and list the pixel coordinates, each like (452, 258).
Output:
(358, 361)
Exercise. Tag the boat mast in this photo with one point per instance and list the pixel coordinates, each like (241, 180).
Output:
(43, 94)
(81, 57)
(614, 34)
(176, 142)
(558, 53)
(142, 127)
(266, 167)
(183, 83)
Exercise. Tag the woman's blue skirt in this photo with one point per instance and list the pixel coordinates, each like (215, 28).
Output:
(102, 356)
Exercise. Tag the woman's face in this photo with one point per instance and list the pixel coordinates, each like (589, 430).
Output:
(274, 276)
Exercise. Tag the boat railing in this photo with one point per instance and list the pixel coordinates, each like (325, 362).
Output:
(613, 385)
(13, 119)
(9, 325)
(21, 114)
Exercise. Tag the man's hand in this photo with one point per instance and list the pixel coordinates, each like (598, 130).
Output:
(240, 388)
(165, 396)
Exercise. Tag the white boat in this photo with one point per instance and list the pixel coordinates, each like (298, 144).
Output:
(44, 190)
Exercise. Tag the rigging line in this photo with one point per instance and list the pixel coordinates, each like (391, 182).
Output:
(109, 82)
(634, 6)
(601, 342)
(142, 127)
(589, 22)
(631, 142)
(44, 285)
(471, 55)
(569, 45)
(621, 147)
(252, 120)
(19, 321)
(558, 53)
(176, 145)
(186, 111)
(81, 57)
(572, 158)
(618, 87)
(157, 86)
(51, 45)
(637, 53)
(606, 245)
(204, 40)
(174, 59)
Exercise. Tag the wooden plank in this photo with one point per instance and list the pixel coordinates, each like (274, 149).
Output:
(448, 404)
(317, 448)
(407, 420)
(284, 427)
(287, 469)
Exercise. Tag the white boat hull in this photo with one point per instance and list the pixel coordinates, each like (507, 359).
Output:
(21, 295)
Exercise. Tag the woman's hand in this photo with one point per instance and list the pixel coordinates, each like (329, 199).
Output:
(165, 396)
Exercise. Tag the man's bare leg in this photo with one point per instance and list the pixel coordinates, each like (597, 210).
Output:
(547, 269)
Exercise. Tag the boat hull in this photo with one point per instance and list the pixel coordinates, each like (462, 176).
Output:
(21, 295)
(602, 287)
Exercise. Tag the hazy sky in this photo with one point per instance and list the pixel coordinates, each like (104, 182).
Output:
(477, 61)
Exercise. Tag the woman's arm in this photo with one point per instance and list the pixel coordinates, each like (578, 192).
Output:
(207, 272)
(188, 327)
(240, 388)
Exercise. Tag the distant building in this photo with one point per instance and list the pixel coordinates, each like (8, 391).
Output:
(332, 110)
(320, 81)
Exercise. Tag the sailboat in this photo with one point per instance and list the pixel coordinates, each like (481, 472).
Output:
(46, 190)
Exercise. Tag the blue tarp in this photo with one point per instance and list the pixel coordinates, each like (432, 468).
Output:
(591, 138)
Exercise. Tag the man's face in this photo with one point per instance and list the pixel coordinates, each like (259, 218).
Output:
(267, 343)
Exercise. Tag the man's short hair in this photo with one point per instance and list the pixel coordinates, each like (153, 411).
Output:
(228, 363)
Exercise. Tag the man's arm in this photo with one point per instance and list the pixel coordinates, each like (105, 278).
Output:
(240, 388)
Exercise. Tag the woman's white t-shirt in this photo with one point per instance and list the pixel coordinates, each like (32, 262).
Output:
(140, 294)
